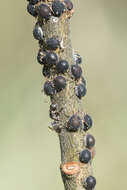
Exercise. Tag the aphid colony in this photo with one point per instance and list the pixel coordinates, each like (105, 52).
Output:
(47, 56)
(45, 12)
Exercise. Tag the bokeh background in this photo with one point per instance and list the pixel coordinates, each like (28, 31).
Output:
(29, 151)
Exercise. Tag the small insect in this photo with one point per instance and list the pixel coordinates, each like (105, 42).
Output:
(89, 183)
(59, 83)
(74, 123)
(44, 11)
(62, 66)
(88, 122)
(69, 4)
(89, 141)
(80, 90)
(31, 10)
(38, 33)
(48, 88)
(76, 71)
(85, 156)
(77, 58)
(54, 114)
(52, 43)
(58, 8)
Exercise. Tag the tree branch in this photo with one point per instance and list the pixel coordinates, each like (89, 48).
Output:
(74, 170)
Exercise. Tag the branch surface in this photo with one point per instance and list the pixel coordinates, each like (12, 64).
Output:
(74, 171)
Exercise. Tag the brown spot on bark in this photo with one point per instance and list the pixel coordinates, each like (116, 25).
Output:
(71, 168)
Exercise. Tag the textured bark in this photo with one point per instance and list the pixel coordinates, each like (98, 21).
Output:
(71, 143)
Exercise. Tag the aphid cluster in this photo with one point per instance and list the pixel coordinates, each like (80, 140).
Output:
(55, 69)
(47, 55)
(76, 70)
(75, 123)
(44, 11)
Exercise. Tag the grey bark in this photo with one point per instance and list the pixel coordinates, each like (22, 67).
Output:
(71, 143)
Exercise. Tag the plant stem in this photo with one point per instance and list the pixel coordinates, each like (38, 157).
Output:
(71, 143)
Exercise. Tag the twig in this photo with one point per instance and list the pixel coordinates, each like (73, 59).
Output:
(66, 87)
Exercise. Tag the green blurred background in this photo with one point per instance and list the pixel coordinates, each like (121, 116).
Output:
(29, 151)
